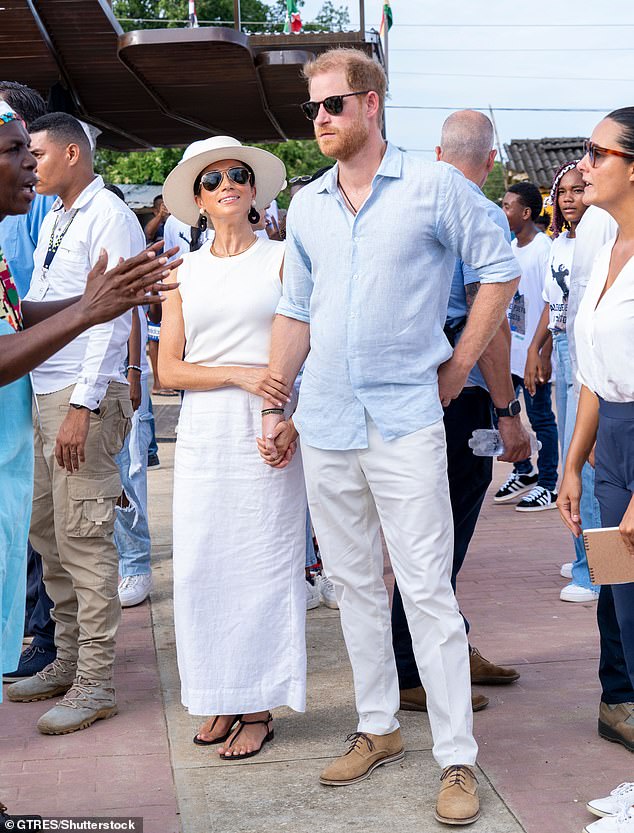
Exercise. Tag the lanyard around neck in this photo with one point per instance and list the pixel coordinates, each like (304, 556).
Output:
(55, 241)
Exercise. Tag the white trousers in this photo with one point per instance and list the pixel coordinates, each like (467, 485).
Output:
(402, 487)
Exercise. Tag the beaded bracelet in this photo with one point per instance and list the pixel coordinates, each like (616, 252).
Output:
(272, 411)
(134, 367)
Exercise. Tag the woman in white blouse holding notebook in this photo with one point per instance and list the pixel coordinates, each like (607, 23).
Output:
(604, 335)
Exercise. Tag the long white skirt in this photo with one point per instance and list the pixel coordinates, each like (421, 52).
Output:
(239, 555)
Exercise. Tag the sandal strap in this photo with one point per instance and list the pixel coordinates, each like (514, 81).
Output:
(243, 723)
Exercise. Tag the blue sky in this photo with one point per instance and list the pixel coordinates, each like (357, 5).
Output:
(476, 53)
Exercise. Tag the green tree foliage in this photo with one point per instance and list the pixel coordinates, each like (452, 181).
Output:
(135, 14)
(494, 187)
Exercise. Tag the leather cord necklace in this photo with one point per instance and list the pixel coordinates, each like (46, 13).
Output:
(346, 197)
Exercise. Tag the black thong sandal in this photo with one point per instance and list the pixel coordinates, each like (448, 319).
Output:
(242, 723)
(200, 742)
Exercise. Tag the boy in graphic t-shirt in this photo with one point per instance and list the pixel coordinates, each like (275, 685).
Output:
(522, 205)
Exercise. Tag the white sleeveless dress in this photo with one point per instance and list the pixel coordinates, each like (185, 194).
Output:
(239, 525)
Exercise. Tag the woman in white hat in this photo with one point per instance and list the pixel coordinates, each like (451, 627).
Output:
(239, 526)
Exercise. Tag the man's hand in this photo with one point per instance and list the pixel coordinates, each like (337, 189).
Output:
(515, 439)
(71, 439)
(266, 443)
(452, 378)
(568, 502)
(134, 380)
(133, 282)
(626, 527)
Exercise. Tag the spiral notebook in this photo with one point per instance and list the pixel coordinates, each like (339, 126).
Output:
(608, 558)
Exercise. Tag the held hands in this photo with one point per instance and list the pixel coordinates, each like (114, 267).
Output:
(568, 502)
(515, 438)
(278, 442)
(71, 439)
(132, 282)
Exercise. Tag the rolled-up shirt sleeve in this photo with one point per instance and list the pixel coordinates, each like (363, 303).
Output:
(297, 277)
(106, 346)
(467, 230)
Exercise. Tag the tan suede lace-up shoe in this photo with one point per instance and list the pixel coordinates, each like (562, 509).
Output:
(55, 679)
(415, 700)
(87, 701)
(365, 754)
(458, 801)
(616, 723)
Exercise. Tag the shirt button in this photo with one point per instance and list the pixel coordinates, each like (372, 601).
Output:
(356, 239)
(355, 277)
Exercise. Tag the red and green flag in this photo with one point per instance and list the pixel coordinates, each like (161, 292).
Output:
(386, 19)
(293, 22)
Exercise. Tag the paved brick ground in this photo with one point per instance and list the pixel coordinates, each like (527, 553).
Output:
(117, 767)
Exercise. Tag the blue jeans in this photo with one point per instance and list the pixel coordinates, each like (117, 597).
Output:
(131, 529)
(153, 449)
(566, 413)
(540, 414)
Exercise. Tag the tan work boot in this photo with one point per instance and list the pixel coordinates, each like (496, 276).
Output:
(415, 700)
(54, 679)
(484, 672)
(458, 801)
(87, 701)
(616, 723)
(366, 753)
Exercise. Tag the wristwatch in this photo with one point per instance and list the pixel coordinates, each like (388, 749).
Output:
(84, 408)
(511, 410)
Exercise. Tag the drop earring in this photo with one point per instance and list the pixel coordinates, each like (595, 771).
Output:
(202, 221)
(254, 215)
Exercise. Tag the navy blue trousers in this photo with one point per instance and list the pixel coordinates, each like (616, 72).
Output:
(469, 479)
(613, 488)
(38, 610)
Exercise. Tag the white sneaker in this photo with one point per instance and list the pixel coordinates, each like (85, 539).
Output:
(312, 595)
(326, 591)
(574, 593)
(134, 589)
(613, 803)
(566, 570)
(623, 822)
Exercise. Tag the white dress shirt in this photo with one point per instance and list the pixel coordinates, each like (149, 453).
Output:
(98, 220)
(604, 329)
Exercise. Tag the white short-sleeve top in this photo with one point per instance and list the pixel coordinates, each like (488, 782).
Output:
(229, 304)
(604, 332)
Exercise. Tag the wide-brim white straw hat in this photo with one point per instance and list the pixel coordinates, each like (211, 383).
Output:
(178, 190)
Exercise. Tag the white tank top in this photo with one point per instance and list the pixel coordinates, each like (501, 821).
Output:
(229, 304)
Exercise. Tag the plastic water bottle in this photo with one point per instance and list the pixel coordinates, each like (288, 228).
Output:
(487, 442)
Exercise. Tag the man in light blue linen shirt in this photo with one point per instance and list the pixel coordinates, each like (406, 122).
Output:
(371, 248)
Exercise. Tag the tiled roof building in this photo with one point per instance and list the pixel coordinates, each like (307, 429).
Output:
(538, 159)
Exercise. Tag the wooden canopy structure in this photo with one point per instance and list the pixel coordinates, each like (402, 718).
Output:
(163, 87)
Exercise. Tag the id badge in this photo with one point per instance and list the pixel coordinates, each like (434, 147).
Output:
(39, 286)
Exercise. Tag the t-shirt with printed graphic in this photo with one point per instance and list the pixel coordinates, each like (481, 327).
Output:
(10, 310)
(527, 304)
(557, 282)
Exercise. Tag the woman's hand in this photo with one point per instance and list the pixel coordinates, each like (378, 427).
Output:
(626, 527)
(568, 502)
(279, 444)
(259, 380)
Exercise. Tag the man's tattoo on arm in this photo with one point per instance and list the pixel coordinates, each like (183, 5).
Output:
(471, 290)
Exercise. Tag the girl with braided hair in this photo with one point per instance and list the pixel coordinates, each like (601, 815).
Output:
(566, 199)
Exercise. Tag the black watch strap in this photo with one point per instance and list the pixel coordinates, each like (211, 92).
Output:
(512, 409)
